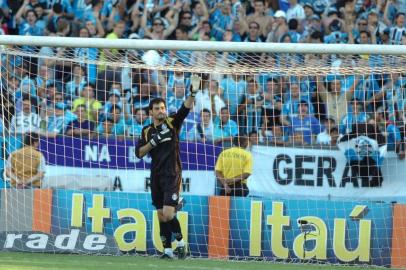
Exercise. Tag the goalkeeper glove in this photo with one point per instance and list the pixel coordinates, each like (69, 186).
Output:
(160, 137)
(195, 80)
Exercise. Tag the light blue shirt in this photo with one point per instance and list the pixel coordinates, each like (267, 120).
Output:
(233, 93)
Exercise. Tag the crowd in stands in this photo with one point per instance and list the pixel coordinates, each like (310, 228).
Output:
(82, 99)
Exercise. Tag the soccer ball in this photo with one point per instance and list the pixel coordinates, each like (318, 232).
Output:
(151, 58)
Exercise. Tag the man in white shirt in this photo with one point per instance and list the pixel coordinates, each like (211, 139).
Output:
(209, 98)
(295, 11)
(26, 120)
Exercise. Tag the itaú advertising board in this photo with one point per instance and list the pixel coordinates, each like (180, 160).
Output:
(291, 230)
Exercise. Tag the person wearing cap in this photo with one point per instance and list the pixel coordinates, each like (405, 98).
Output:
(291, 103)
(295, 11)
(305, 125)
(279, 27)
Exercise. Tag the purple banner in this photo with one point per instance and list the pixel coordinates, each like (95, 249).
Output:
(119, 154)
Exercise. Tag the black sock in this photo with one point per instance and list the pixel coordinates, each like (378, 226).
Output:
(175, 228)
(165, 233)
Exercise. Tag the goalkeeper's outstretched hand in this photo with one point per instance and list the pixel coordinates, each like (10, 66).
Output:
(195, 81)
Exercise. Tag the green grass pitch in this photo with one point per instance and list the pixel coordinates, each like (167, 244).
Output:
(37, 261)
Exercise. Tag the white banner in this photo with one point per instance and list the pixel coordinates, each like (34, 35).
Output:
(134, 180)
(319, 173)
(277, 171)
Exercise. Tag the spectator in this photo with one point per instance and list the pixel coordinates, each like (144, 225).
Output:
(293, 32)
(356, 115)
(336, 34)
(186, 20)
(210, 98)
(182, 33)
(176, 97)
(27, 120)
(386, 128)
(58, 121)
(336, 98)
(158, 30)
(83, 55)
(74, 87)
(86, 98)
(44, 79)
(80, 127)
(234, 87)
(291, 104)
(204, 130)
(106, 54)
(25, 167)
(295, 11)
(106, 129)
(144, 95)
(272, 107)
(221, 19)
(233, 167)
(140, 120)
(398, 30)
(279, 27)
(304, 125)
(330, 134)
(224, 128)
(253, 138)
(29, 25)
(263, 20)
(275, 135)
(200, 12)
(250, 109)
(118, 123)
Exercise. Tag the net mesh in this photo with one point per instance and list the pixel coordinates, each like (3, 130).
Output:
(320, 126)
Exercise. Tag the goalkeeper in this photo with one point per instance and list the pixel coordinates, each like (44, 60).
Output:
(161, 140)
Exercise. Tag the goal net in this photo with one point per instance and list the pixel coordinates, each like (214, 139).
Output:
(325, 130)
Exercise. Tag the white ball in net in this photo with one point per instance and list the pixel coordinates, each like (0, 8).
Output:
(151, 58)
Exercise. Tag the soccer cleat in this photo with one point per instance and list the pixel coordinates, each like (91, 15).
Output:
(181, 252)
(181, 203)
(166, 257)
